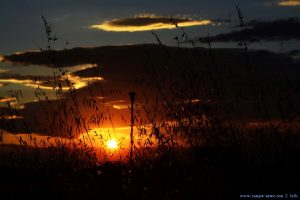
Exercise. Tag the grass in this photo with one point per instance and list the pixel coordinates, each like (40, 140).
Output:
(260, 164)
(194, 147)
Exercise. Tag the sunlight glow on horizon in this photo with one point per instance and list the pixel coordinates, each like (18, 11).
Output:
(109, 26)
(108, 143)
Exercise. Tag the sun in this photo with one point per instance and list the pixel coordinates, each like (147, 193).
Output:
(112, 144)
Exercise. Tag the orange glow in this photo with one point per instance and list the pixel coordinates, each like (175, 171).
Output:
(289, 3)
(1, 58)
(107, 143)
(112, 144)
(102, 136)
(109, 26)
(7, 99)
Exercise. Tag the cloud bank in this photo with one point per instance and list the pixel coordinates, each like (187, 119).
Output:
(278, 30)
(48, 82)
(125, 68)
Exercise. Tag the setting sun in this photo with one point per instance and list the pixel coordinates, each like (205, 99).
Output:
(112, 144)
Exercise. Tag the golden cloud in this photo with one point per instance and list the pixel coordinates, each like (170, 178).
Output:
(7, 99)
(78, 82)
(120, 107)
(289, 3)
(148, 22)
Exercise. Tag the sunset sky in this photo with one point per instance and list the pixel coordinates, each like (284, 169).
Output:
(85, 25)
(149, 99)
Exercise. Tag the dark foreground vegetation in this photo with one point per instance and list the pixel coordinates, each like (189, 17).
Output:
(262, 163)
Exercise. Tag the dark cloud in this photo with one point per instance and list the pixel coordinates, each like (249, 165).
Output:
(108, 60)
(278, 30)
(50, 58)
(116, 63)
(144, 21)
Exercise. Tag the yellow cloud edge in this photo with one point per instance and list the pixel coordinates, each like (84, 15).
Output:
(107, 26)
(289, 3)
(78, 82)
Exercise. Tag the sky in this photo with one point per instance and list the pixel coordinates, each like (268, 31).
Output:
(88, 24)
(71, 20)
